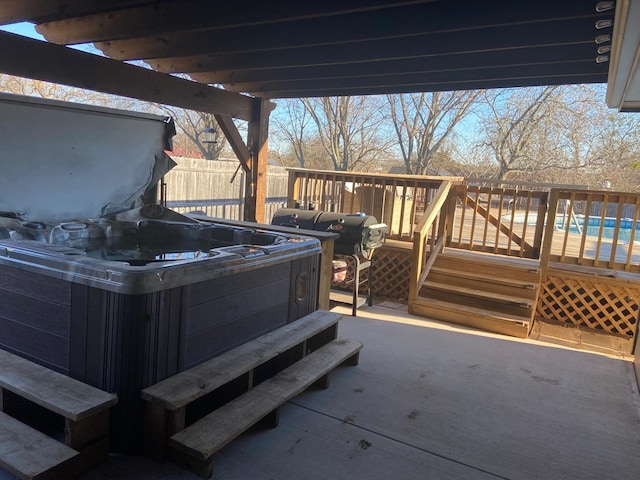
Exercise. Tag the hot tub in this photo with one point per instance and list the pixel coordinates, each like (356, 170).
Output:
(127, 294)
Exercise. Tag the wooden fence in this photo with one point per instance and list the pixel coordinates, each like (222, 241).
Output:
(569, 230)
(216, 188)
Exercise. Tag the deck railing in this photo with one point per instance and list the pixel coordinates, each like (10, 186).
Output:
(593, 229)
(503, 218)
(429, 238)
(396, 200)
(498, 220)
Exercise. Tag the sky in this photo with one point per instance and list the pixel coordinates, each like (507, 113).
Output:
(22, 28)
(28, 30)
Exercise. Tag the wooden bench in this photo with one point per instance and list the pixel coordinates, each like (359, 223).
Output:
(297, 355)
(28, 453)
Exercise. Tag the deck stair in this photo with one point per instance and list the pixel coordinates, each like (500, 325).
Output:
(263, 374)
(29, 453)
(493, 293)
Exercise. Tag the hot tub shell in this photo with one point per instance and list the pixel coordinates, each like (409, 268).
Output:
(122, 323)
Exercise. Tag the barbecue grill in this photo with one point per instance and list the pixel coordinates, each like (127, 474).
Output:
(359, 233)
(359, 236)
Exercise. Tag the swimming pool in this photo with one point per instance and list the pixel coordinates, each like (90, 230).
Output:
(593, 225)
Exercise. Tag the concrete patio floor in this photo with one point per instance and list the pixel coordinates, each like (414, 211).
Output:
(434, 401)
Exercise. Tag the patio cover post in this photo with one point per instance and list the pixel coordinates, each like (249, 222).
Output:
(256, 180)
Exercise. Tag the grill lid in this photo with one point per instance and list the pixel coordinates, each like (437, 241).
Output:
(67, 161)
(359, 233)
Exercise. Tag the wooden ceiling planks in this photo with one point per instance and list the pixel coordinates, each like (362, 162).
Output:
(297, 48)
(462, 63)
(159, 18)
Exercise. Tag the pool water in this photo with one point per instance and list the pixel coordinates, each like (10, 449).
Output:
(592, 230)
(624, 234)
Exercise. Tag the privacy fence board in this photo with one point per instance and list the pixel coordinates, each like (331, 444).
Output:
(216, 187)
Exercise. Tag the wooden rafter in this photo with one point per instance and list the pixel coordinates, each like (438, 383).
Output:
(235, 140)
(151, 19)
(29, 58)
(14, 11)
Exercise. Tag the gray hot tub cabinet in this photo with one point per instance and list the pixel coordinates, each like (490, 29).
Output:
(116, 324)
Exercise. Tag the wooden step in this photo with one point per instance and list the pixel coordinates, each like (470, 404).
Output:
(482, 303)
(196, 445)
(515, 283)
(54, 391)
(167, 401)
(507, 324)
(500, 261)
(482, 294)
(29, 454)
(484, 285)
(85, 409)
(179, 390)
(491, 266)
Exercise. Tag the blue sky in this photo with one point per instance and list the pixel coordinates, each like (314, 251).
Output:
(23, 28)
(28, 30)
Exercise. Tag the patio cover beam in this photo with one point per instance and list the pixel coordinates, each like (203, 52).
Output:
(25, 57)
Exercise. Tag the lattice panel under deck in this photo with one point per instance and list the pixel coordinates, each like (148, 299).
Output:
(601, 306)
(391, 271)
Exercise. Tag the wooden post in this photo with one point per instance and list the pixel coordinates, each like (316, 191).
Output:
(542, 212)
(256, 180)
(417, 260)
(451, 214)
(292, 189)
(548, 232)
(326, 273)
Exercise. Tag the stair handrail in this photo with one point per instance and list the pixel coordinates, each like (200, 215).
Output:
(420, 265)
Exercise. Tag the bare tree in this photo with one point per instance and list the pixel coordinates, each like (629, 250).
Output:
(315, 156)
(38, 88)
(424, 121)
(560, 134)
(292, 125)
(620, 148)
(192, 125)
(538, 132)
(349, 129)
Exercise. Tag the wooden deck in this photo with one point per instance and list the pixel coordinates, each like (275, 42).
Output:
(582, 286)
(571, 246)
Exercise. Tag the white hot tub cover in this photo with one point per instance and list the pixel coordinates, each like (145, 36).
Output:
(62, 161)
